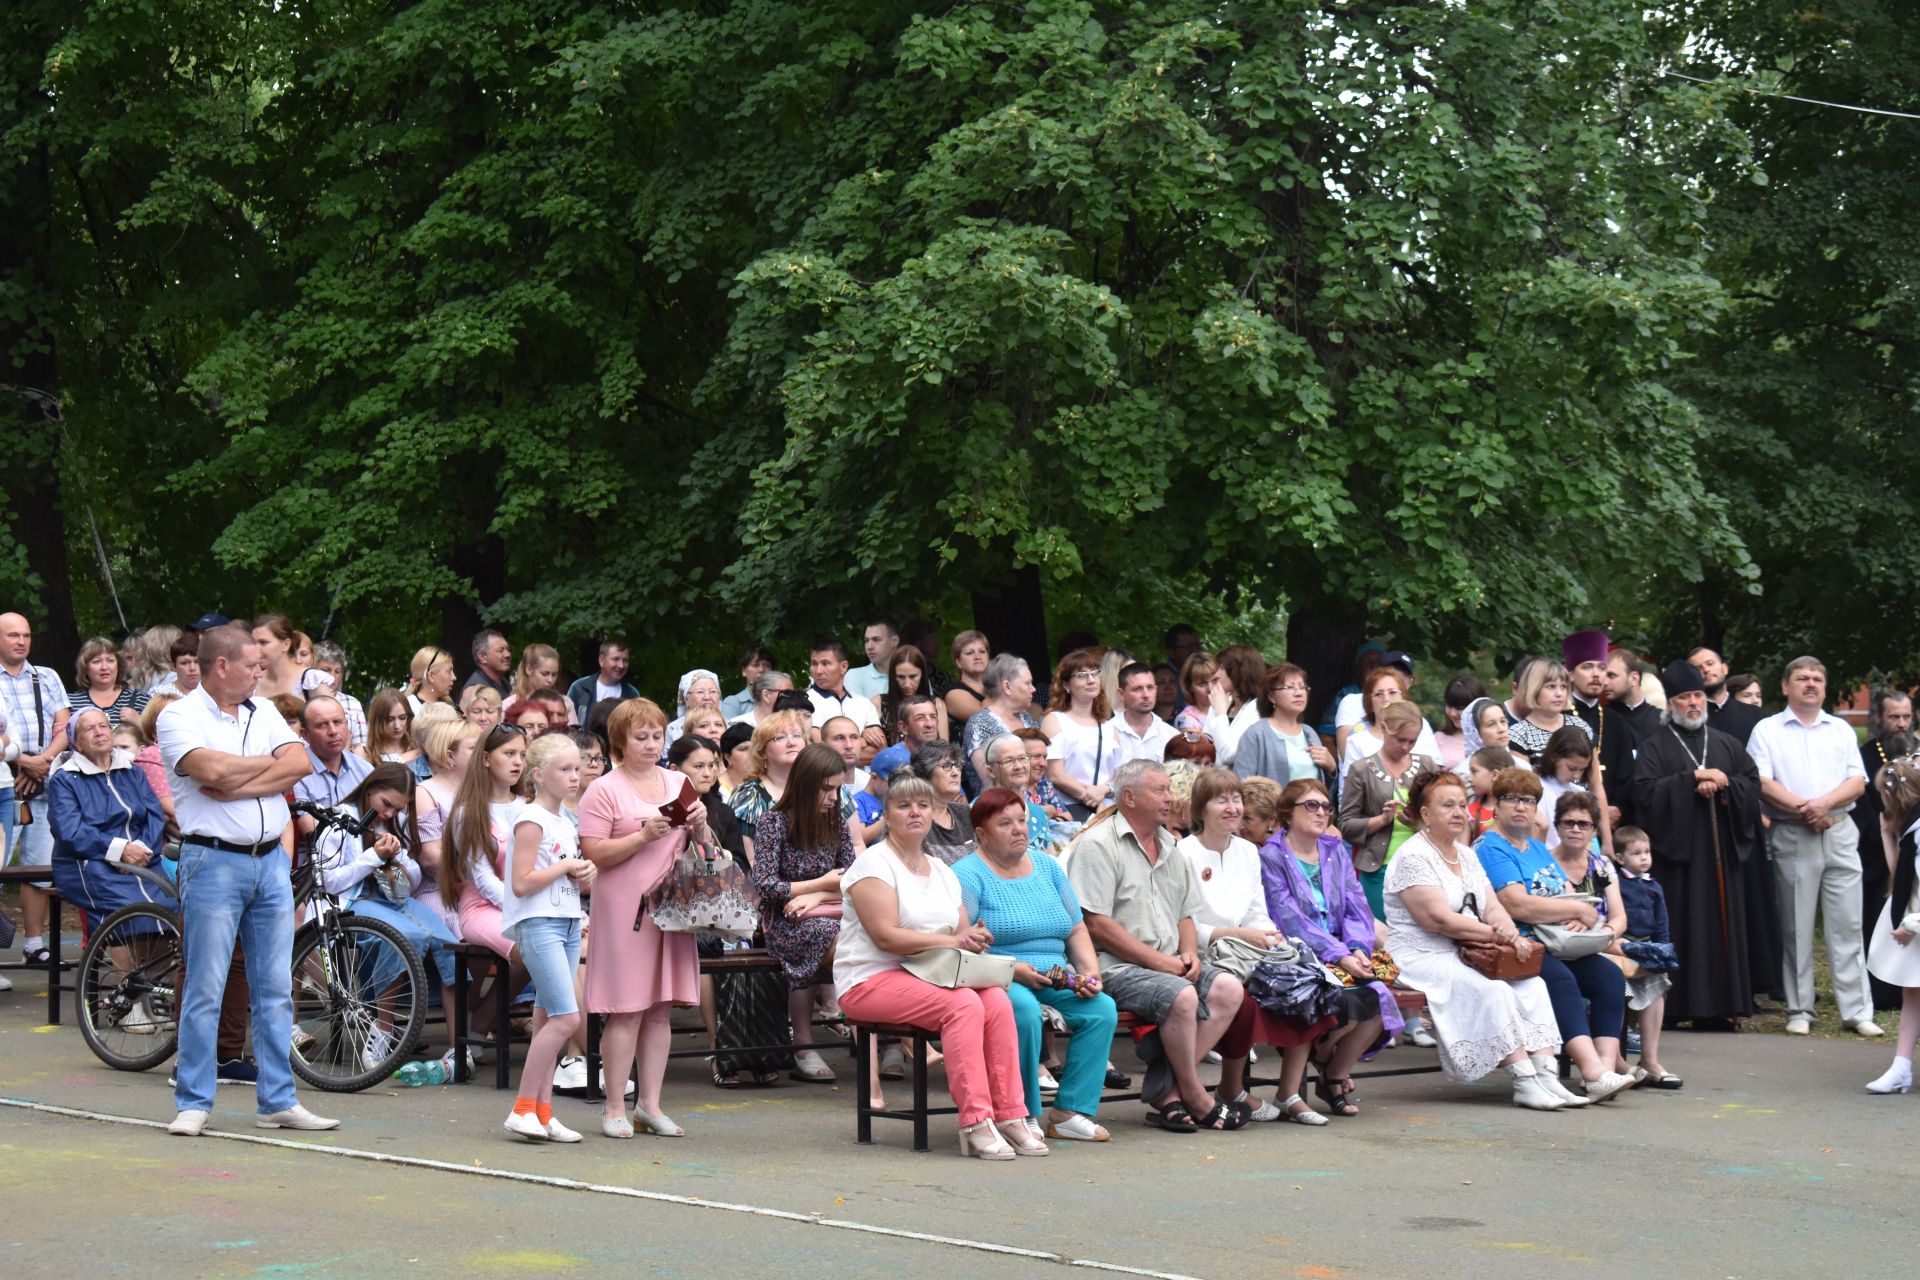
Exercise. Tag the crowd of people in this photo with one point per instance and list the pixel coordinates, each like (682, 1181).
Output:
(1606, 852)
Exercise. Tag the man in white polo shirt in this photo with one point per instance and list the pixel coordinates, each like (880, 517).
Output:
(1141, 734)
(1810, 776)
(233, 758)
(827, 664)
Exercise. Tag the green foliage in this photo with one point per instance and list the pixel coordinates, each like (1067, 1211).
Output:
(703, 322)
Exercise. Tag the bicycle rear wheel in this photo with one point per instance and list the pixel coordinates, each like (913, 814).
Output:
(129, 987)
(359, 1001)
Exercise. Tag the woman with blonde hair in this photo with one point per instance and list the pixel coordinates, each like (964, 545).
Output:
(480, 704)
(539, 669)
(1196, 678)
(446, 745)
(430, 677)
(968, 695)
(150, 658)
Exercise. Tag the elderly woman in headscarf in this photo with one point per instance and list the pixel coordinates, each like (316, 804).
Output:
(102, 810)
(698, 688)
(1484, 724)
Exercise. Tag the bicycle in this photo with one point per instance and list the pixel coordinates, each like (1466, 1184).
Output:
(359, 989)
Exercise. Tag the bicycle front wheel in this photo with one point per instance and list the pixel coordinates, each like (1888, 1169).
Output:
(359, 1000)
(129, 988)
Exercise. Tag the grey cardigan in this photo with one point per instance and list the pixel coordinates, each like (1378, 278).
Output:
(1364, 796)
(1263, 755)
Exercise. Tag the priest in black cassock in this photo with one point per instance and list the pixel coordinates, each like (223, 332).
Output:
(1697, 795)
(1584, 655)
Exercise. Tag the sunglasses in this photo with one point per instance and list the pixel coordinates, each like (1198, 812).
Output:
(1315, 806)
(1574, 824)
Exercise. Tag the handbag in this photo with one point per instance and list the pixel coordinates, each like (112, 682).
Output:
(824, 911)
(1238, 957)
(1500, 961)
(703, 893)
(1572, 944)
(955, 967)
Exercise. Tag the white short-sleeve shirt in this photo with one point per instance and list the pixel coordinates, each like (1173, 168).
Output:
(849, 704)
(195, 721)
(1090, 752)
(928, 904)
(1807, 759)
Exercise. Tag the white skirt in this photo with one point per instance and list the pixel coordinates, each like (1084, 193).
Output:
(1478, 1021)
(1887, 960)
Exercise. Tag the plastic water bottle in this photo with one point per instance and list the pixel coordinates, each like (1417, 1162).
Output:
(416, 1074)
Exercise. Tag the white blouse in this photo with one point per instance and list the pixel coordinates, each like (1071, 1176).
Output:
(1232, 895)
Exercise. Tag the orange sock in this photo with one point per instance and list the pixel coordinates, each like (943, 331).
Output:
(527, 1106)
(545, 1111)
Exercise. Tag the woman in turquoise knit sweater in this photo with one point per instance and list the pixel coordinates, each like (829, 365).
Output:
(1024, 899)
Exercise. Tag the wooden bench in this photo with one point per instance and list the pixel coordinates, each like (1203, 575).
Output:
(920, 1112)
(56, 964)
(472, 958)
(754, 960)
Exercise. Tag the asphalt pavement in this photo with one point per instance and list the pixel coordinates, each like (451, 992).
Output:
(1770, 1162)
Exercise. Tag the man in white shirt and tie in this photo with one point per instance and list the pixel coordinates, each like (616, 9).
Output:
(233, 758)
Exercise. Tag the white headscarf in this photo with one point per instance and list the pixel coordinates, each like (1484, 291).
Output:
(686, 687)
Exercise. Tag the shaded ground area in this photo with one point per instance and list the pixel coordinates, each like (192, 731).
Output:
(1770, 1162)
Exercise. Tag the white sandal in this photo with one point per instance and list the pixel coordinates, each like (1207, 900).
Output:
(616, 1126)
(1265, 1113)
(983, 1142)
(659, 1126)
(1305, 1116)
(1071, 1126)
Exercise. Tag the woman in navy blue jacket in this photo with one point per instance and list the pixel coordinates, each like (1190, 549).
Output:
(102, 811)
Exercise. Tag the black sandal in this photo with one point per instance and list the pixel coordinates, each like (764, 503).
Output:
(1225, 1118)
(767, 1079)
(726, 1079)
(1341, 1103)
(1174, 1118)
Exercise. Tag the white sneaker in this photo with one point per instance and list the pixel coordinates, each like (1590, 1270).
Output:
(1898, 1078)
(603, 1081)
(570, 1073)
(1419, 1035)
(1047, 1083)
(557, 1132)
(1866, 1027)
(379, 1046)
(527, 1125)
(139, 1020)
(1213, 1056)
(1799, 1027)
(188, 1124)
(1607, 1085)
(294, 1117)
(1547, 1072)
(302, 1041)
(809, 1065)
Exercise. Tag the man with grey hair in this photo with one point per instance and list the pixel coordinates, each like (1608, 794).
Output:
(330, 659)
(1811, 777)
(1139, 897)
(1695, 793)
(1008, 684)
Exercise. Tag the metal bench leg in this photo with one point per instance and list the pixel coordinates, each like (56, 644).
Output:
(460, 989)
(594, 1022)
(863, 1092)
(54, 908)
(920, 1142)
(503, 1029)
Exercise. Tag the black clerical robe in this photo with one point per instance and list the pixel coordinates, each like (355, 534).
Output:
(1642, 720)
(1704, 852)
(1613, 743)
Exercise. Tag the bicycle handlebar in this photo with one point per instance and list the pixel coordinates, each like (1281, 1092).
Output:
(333, 819)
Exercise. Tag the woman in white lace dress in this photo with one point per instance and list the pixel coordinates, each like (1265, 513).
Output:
(1482, 1023)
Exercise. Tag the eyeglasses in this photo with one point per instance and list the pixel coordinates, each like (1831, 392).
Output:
(1525, 802)
(1296, 688)
(1574, 824)
(1314, 806)
(1091, 673)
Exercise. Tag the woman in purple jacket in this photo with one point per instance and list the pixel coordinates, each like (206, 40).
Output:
(1314, 895)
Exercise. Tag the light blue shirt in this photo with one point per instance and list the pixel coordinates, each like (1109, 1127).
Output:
(868, 681)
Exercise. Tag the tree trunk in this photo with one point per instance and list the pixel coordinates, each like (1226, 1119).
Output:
(1321, 637)
(1013, 614)
(30, 415)
(484, 564)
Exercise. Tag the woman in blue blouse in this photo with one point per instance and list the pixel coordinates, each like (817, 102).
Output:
(1588, 992)
(1313, 894)
(1025, 901)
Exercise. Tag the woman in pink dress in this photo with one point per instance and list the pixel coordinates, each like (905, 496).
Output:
(636, 976)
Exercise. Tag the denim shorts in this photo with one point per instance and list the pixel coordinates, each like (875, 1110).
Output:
(550, 948)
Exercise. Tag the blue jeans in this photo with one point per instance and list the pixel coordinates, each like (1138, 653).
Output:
(424, 931)
(224, 896)
(550, 948)
(1589, 996)
(32, 845)
(1084, 1076)
(8, 808)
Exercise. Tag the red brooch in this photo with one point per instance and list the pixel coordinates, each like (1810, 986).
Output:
(1206, 873)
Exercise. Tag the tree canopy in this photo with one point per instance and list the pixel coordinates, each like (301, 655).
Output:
(1460, 323)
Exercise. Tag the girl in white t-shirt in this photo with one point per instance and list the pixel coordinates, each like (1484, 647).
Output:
(542, 914)
(903, 901)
